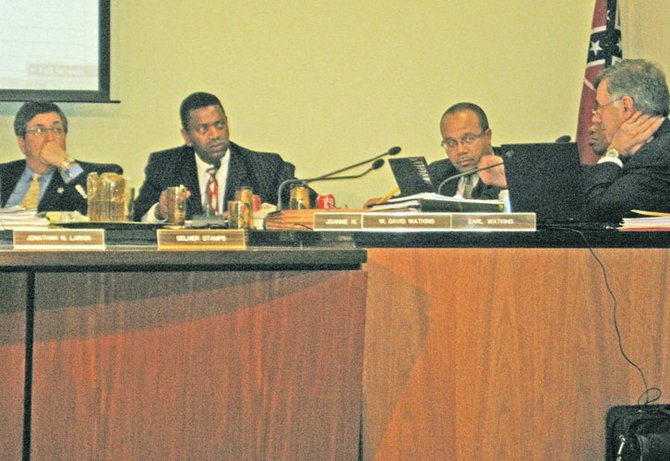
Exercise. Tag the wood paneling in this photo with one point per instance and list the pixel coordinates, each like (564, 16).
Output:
(507, 354)
(198, 365)
(12, 363)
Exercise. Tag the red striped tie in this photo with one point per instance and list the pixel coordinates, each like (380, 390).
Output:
(212, 192)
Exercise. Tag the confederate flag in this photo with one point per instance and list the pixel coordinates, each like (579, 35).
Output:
(604, 50)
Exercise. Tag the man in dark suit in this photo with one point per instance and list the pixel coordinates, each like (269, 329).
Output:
(632, 105)
(48, 179)
(209, 165)
(466, 138)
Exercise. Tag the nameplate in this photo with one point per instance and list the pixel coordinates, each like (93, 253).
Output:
(425, 222)
(203, 239)
(338, 221)
(60, 239)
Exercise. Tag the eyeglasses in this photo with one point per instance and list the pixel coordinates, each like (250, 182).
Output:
(598, 108)
(42, 130)
(466, 140)
(204, 128)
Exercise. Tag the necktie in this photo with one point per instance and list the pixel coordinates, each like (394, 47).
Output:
(32, 197)
(469, 186)
(212, 193)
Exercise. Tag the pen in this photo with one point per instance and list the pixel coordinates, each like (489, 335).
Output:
(651, 213)
(387, 196)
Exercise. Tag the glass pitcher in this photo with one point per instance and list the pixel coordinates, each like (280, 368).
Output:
(106, 197)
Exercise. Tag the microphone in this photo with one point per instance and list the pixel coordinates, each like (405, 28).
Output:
(392, 151)
(377, 164)
(564, 138)
(467, 173)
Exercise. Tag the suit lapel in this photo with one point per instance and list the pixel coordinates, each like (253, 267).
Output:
(186, 173)
(53, 195)
(450, 188)
(237, 174)
(10, 175)
(448, 170)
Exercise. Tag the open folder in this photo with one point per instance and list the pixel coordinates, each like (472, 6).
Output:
(417, 192)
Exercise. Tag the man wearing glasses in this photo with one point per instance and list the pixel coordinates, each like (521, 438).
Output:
(48, 179)
(632, 105)
(208, 164)
(466, 138)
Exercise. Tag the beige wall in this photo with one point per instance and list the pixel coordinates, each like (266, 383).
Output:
(327, 83)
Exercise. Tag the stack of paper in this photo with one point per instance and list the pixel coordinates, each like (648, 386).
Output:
(431, 202)
(18, 217)
(650, 221)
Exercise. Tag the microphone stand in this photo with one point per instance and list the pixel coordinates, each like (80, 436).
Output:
(392, 151)
(329, 177)
(466, 173)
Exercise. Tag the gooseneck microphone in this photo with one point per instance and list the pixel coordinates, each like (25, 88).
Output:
(466, 173)
(377, 164)
(392, 151)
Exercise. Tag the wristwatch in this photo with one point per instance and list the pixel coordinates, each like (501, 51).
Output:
(65, 163)
(612, 153)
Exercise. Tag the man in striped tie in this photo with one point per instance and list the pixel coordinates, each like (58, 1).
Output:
(209, 165)
(48, 179)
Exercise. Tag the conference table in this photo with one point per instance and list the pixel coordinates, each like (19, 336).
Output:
(332, 345)
(137, 354)
(504, 347)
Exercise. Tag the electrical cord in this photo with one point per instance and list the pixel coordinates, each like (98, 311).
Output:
(650, 394)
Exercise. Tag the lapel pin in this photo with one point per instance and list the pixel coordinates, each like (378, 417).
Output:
(60, 190)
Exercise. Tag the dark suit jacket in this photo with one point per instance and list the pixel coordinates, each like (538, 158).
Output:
(58, 196)
(263, 171)
(443, 169)
(643, 183)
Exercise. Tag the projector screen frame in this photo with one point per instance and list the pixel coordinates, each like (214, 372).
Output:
(102, 95)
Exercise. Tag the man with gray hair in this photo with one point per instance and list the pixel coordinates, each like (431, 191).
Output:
(632, 105)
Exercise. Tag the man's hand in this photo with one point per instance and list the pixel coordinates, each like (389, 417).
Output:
(161, 210)
(493, 176)
(53, 154)
(635, 133)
